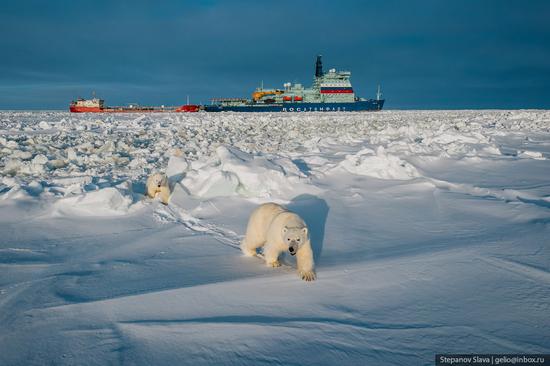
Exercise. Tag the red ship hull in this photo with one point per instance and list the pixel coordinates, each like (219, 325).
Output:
(188, 108)
(185, 109)
(75, 109)
(99, 108)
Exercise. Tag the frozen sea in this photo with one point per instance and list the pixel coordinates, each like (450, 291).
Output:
(430, 229)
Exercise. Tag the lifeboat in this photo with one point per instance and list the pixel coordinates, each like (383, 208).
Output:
(298, 99)
(287, 98)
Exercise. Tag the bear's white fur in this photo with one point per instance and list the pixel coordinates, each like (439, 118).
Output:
(157, 184)
(277, 230)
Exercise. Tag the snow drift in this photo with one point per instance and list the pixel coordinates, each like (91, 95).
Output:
(105, 202)
(378, 164)
(231, 171)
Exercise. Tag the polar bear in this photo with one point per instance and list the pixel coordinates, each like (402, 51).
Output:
(157, 184)
(278, 230)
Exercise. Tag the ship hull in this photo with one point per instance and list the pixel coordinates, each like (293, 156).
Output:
(366, 105)
(185, 108)
(75, 109)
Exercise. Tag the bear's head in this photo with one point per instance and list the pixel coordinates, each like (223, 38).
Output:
(159, 180)
(294, 237)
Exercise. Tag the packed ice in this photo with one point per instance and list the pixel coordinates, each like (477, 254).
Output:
(429, 230)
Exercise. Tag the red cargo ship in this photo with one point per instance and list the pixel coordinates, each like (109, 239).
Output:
(96, 105)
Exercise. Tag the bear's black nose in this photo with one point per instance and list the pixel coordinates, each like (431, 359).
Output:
(291, 249)
(159, 185)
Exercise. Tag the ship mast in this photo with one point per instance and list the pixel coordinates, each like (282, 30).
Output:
(378, 93)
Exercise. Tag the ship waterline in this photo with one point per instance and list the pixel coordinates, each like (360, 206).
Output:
(368, 105)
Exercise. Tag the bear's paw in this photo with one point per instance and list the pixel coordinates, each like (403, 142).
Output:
(274, 264)
(307, 275)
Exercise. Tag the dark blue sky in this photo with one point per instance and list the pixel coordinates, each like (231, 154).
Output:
(425, 53)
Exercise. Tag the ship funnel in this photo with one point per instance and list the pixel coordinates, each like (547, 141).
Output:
(318, 67)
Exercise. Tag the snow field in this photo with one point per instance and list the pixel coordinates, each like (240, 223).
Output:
(429, 229)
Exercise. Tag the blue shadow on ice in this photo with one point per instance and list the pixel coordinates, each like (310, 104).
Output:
(302, 165)
(314, 211)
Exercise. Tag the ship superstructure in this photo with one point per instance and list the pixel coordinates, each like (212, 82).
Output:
(330, 91)
(87, 105)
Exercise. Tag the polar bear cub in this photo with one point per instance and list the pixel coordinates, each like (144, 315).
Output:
(157, 184)
(278, 230)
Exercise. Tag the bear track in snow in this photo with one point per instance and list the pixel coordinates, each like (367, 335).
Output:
(224, 236)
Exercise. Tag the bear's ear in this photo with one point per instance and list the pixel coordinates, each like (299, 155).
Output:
(285, 229)
(304, 230)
